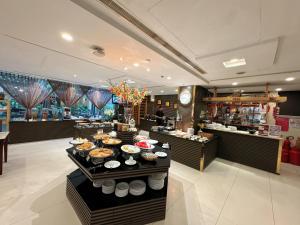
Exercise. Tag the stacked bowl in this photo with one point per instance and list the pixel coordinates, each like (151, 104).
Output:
(108, 186)
(157, 181)
(137, 187)
(122, 189)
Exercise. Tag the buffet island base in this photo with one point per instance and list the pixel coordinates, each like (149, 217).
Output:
(94, 208)
(191, 153)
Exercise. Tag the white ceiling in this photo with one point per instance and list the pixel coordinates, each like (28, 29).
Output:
(30, 39)
(265, 32)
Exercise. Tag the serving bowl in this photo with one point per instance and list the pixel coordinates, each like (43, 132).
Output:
(99, 155)
(84, 149)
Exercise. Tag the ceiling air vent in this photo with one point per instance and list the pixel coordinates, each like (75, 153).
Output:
(98, 51)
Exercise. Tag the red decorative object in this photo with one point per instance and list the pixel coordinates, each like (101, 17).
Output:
(287, 144)
(283, 122)
(285, 156)
(294, 157)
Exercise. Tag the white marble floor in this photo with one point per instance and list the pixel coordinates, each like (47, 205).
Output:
(32, 191)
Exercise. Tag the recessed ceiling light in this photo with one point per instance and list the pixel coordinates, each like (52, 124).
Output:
(290, 79)
(169, 78)
(234, 63)
(235, 83)
(130, 81)
(67, 37)
(121, 58)
(278, 89)
(125, 68)
(136, 64)
(75, 75)
(148, 69)
(162, 91)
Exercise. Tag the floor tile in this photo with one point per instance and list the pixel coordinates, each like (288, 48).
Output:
(33, 191)
(249, 201)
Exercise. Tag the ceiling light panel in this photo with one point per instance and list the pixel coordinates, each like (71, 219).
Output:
(234, 63)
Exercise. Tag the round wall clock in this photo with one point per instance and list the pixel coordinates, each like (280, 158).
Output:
(185, 97)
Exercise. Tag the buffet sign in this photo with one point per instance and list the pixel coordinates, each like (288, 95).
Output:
(274, 130)
(295, 123)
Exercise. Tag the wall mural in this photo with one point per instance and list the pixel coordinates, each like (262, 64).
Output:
(30, 92)
(27, 91)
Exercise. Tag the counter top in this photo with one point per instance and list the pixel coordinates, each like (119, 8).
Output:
(3, 135)
(247, 133)
(166, 133)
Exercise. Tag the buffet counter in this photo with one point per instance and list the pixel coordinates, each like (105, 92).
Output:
(23, 131)
(191, 153)
(261, 152)
(146, 124)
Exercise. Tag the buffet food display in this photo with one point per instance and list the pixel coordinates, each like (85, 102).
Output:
(136, 175)
(112, 141)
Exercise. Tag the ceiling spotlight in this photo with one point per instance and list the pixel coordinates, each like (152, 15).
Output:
(290, 79)
(234, 63)
(148, 69)
(169, 78)
(162, 91)
(235, 83)
(121, 58)
(278, 89)
(136, 64)
(67, 37)
(75, 75)
(125, 68)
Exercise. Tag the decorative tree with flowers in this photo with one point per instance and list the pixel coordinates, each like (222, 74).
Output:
(128, 96)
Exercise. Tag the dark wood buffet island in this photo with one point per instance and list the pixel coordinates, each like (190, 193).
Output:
(190, 153)
(94, 208)
(261, 152)
(23, 131)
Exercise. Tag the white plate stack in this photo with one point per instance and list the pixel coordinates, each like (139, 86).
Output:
(108, 186)
(122, 189)
(137, 187)
(157, 181)
(97, 183)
